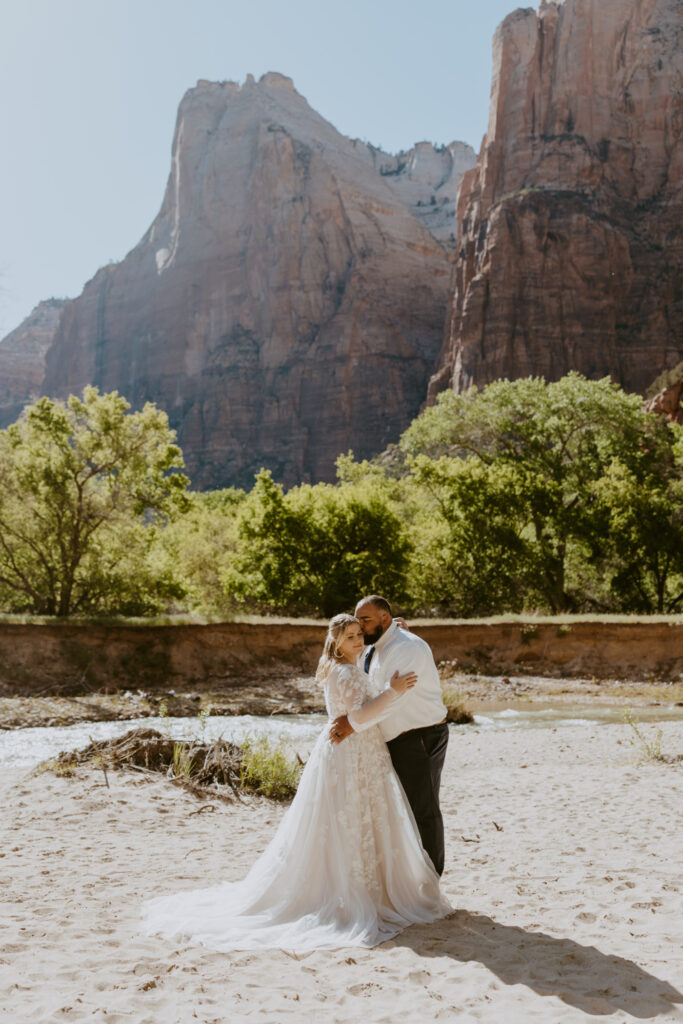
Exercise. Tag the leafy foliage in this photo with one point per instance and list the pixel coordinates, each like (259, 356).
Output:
(268, 768)
(316, 547)
(561, 497)
(86, 487)
(203, 544)
(570, 491)
(471, 556)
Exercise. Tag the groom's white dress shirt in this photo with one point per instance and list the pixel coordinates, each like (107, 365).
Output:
(416, 708)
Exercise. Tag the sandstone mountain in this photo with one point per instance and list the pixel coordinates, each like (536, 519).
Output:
(22, 358)
(571, 247)
(667, 395)
(426, 178)
(669, 403)
(288, 301)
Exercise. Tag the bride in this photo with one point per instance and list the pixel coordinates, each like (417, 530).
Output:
(346, 866)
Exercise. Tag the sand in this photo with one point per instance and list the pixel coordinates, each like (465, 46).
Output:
(571, 909)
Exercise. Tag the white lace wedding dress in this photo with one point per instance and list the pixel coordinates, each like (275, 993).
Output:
(346, 866)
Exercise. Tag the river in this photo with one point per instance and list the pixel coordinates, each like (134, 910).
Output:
(26, 748)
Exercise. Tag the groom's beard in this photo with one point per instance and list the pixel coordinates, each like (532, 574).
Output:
(372, 638)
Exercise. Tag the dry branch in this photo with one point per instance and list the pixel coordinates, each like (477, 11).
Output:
(209, 765)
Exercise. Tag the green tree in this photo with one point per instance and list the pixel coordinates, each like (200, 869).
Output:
(644, 567)
(86, 485)
(470, 553)
(203, 544)
(316, 548)
(556, 443)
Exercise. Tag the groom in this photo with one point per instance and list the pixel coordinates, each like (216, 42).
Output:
(414, 727)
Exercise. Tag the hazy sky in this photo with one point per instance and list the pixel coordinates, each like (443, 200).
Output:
(90, 90)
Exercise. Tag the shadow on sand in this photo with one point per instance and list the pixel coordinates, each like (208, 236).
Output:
(581, 976)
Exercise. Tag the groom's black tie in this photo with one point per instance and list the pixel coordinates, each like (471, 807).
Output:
(368, 659)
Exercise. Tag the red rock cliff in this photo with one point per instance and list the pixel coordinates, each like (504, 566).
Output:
(22, 358)
(285, 305)
(570, 249)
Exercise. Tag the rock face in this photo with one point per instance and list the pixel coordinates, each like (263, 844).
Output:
(571, 248)
(22, 358)
(286, 304)
(668, 403)
(426, 179)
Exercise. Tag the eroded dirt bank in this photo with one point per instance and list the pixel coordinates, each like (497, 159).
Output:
(39, 659)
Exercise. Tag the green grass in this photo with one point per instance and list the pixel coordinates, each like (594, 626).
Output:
(455, 704)
(547, 620)
(182, 762)
(451, 696)
(529, 619)
(64, 769)
(651, 749)
(268, 769)
(156, 620)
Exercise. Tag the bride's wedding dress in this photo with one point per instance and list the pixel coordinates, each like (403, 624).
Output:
(346, 866)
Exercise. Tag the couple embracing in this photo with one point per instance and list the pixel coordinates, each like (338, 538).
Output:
(358, 854)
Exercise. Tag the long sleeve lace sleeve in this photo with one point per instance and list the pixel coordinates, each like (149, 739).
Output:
(347, 690)
(374, 711)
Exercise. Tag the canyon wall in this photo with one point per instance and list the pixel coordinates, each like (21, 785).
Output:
(426, 178)
(288, 301)
(287, 304)
(22, 358)
(570, 248)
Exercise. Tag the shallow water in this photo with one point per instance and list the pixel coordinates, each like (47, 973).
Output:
(552, 716)
(28, 747)
(25, 748)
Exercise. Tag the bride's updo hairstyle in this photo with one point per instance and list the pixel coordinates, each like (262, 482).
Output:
(335, 635)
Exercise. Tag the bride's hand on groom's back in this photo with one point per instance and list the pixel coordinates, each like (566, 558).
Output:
(399, 684)
(401, 622)
(340, 729)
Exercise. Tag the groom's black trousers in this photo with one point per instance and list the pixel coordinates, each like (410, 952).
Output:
(418, 756)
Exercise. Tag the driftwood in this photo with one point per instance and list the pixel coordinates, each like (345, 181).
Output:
(76, 686)
(203, 768)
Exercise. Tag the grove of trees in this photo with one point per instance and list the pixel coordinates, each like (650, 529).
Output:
(521, 496)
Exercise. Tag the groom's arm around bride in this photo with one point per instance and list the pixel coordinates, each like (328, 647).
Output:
(414, 726)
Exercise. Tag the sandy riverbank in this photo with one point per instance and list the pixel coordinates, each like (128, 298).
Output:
(573, 912)
(303, 695)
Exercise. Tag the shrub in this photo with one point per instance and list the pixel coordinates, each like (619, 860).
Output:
(267, 768)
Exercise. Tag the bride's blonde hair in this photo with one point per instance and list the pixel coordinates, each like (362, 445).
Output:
(335, 635)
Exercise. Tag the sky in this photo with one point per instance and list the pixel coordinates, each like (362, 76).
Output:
(90, 90)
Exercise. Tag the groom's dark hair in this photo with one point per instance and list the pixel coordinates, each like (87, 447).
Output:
(377, 601)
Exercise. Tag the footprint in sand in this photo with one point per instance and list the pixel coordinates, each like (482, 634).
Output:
(365, 989)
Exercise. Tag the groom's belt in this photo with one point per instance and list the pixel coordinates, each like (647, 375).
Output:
(422, 728)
